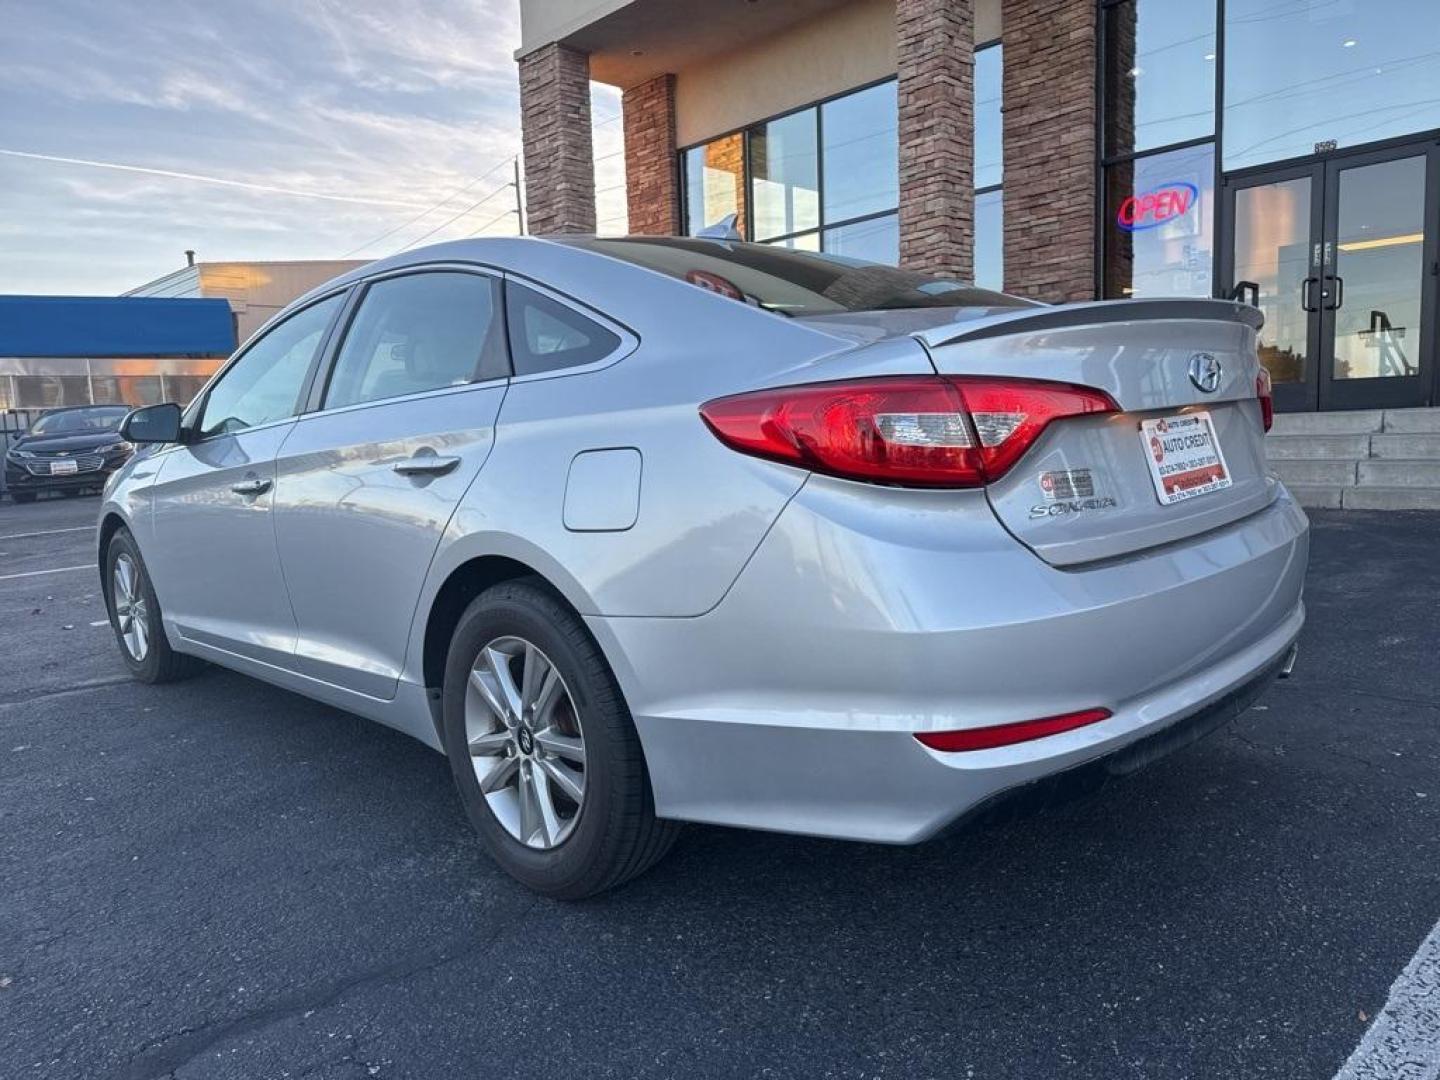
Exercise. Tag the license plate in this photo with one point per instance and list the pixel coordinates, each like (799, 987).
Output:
(63, 467)
(1184, 456)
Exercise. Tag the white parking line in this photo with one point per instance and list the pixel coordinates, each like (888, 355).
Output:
(48, 532)
(37, 573)
(1404, 1041)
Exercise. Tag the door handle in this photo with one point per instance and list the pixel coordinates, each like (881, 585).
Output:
(1243, 287)
(257, 486)
(1339, 292)
(425, 465)
(1307, 296)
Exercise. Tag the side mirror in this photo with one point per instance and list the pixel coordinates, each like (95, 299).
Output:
(152, 424)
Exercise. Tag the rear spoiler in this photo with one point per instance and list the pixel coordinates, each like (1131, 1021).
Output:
(1093, 313)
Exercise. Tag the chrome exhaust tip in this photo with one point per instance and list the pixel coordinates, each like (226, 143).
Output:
(1289, 663)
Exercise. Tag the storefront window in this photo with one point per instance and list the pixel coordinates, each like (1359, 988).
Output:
(990, 240)
(874, 239)
(1306, 73)
(1159, 73)
(823, 178)
(1159, 224)
(785, 175)
(989, 63)
(714, 184)
(861, 153)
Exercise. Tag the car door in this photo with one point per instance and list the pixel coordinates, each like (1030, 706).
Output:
(367, 481)
(212, 554)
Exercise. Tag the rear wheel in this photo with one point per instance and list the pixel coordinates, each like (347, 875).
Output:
(135, 616)
(543, 749)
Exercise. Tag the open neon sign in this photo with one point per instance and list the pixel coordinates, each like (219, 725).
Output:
(1153, 208)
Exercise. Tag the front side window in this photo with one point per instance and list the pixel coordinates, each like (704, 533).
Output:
(545, 335)
(419, 332)
(264, 384)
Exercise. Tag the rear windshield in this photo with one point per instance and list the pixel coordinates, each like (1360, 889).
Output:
(793, 282)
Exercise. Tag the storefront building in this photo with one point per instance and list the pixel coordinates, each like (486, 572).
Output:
(1285, 152)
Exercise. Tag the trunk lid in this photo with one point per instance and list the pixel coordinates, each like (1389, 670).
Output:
(1085, 490)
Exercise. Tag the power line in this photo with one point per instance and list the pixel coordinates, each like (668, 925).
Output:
(497, 217)
(424, 213)
(473, 206)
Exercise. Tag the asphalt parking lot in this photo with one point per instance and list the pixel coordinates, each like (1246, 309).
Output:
(220, 879)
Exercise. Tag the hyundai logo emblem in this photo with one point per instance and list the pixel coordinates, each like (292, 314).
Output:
(1205, 372)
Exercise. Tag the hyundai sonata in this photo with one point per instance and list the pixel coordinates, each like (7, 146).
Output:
(642, 531)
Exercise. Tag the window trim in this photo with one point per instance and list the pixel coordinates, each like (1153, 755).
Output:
(194, 413)
(628, 341)
(315, 393)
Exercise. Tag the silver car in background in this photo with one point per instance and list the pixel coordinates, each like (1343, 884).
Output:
(641, 531)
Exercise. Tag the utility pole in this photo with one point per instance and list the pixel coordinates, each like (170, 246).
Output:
(519, 204)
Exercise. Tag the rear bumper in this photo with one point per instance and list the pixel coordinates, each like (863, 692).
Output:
(865, 618)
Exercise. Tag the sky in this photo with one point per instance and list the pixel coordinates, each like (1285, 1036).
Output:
(257, 129)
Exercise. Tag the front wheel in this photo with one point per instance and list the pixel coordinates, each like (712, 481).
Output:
(542, 747)
(135, 616)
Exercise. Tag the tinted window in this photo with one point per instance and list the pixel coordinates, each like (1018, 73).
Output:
(264, 384)
(546, 335)
(418, 332)
(793, 282)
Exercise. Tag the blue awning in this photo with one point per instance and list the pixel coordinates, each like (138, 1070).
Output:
(115, 326)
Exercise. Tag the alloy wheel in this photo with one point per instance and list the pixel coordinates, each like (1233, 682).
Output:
(132, 618)
(525, 740)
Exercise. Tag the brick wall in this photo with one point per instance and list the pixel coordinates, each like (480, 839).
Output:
(935, 42)
(1049, 133)
(650, 180)
(556, 135)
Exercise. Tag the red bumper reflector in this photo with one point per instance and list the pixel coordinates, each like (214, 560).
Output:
(987, 738)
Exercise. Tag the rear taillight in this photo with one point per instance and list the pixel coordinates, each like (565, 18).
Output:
(913, 431)
(1264, 390)
(987, 738)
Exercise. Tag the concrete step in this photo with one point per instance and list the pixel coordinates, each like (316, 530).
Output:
(1412, 420)
(1390, 498)
(1422, 447)
(1338, 473)
(1316, 496)
(1360, 422)
(1329, 447)
(1378, 472)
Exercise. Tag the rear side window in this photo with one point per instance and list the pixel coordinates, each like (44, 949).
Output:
(419, 332)
(545, 335)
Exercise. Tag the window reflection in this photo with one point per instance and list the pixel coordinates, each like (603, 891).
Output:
(989, 64)
(861, 155)
(1272, 251)
(873, 240)
(785, 176)
(714, 184)
(990, 240)
(1308, 71)
(1160, 74)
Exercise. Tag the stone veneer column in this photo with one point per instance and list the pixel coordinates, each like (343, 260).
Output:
(650, 170)
(556, 135)
(935, 42)
(1049, 146)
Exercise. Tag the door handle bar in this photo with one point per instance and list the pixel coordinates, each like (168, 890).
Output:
(1339, 292)
(258, 486)
(1307, 302)
(426, 465)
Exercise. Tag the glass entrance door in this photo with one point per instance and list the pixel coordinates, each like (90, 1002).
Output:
(1339, 257)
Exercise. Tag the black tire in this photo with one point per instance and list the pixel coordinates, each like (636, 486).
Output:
(160, 664)
(616, 835)
(23, 496)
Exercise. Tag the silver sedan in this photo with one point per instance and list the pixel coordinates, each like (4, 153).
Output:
(643, 531)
